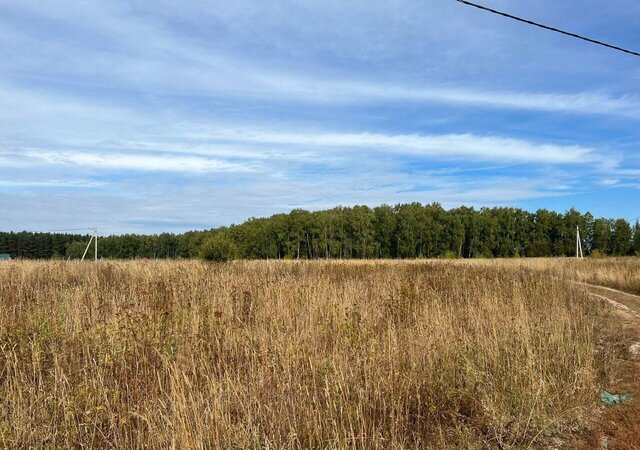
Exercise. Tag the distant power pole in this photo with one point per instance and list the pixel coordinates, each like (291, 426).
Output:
(579, 254)
(94, 237)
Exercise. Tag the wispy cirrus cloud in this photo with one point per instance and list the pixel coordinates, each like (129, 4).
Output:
(72, 184)
(446, 146)
(300, 88)
(138, 52)
(255, 150)
(125, 162)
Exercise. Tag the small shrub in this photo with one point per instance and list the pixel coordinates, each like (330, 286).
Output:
(449, 254)
(218, 249)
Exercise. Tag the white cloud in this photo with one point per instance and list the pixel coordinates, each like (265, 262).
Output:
(147, 56)
(21, 104)
(301, 88)
(446, 146)
(135, 162)
(239, 149)
(50, 184)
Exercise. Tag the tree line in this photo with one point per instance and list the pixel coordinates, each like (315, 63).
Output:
(402, 231)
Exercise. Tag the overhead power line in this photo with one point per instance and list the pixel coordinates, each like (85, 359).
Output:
(546, 27)
(67, 229)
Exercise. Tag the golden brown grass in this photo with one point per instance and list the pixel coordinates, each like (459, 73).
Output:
(292, 355)
(617, 273)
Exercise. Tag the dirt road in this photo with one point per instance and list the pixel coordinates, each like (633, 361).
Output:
(621, 300)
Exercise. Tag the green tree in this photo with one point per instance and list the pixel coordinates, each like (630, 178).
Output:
(218, 248)
(75, 249)
(621, 238)
(360, 225)
(636, 239)
(407, 230)
(601, 236)
(384, 226)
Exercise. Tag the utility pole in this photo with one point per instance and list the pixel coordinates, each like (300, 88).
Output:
(579, 254)
(94, 235)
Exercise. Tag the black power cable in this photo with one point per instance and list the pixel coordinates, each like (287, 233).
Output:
(520, 19)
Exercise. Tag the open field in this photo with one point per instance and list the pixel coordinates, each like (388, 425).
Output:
(301, 355)
(617, 273)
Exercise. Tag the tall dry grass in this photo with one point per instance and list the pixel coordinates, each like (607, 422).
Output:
(617, 273)
(291, 355)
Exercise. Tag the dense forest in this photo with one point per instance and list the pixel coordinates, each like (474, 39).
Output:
(401, 231)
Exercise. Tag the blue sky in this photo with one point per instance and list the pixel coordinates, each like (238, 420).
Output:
(169, 116)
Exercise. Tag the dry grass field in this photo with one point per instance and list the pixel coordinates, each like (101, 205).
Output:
(616, 273)
(299, 355)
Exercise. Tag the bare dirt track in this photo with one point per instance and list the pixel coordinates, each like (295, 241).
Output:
(623, 300)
